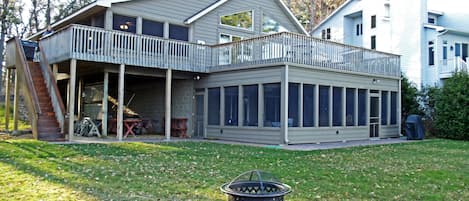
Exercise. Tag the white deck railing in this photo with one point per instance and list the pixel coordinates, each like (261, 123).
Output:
(450, 66)
(99, 45)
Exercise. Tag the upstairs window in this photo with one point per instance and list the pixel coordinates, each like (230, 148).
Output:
(124, 23)
(326, 34)
(177, 32)
(431, 20)
(239, 20)
(269, 25)
(373, 21)
(359, 29)
(373, 42)
(387, 11)
(431, 53)
(152, 28)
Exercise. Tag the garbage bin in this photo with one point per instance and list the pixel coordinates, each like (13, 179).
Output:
(414, 128)
(29, 48)
(255, 185)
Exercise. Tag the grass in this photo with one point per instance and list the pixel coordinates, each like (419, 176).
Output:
(22, 125)
(428, 170)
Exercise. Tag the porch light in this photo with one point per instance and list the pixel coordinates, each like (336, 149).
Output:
(375, 81)
(124, 26)
(196, 77)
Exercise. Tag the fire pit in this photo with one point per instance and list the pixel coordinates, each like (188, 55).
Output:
(255, 185)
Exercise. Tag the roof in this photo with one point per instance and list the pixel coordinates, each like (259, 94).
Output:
(218, 3)
(332, 14)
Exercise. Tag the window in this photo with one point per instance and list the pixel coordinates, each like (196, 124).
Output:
(323, 34)
(177, 32)
(269, 25)
(214, 106)
(431, 54)
(393, 108)
(328, 33)
(445, 53)
(236, 53)
(152, 28)
(457, 49)
(359, 30)
(124, 23)
(373, 21)
(350, 107)
(324, 106)
(337, 107)
(384, 108)
(309, 105)
(272, 105)
(250, 105)
(464, 51)
(362, 97)
(373, 42)
(431, 20)
(293, 106)
(387, 10)
(231, 106)
(239, 20)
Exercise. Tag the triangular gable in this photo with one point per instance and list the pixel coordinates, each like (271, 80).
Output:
(217, 4)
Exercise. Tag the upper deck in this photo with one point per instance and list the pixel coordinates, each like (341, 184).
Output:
(108, 46)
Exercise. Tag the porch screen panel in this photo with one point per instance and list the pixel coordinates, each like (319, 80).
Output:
(231, 106)
(393, 108)
(384, 108)
(362, 98)
(293, 104)
(214, 106)
(272, 105)
(350, 107)
(250, 105)
(337, 107)
(324, 106)
(308, 105)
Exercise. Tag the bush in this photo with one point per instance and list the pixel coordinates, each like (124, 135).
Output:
(451, 114)
(409, 97)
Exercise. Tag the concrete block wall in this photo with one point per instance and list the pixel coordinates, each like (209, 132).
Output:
(183, 102)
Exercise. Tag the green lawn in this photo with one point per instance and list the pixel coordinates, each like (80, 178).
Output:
(429, 170)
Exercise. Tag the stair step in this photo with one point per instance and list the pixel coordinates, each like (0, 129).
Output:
(51, 137)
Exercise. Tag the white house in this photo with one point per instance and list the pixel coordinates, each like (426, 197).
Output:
(431, 35)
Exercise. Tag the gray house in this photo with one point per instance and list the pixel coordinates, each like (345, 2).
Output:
(224, 69)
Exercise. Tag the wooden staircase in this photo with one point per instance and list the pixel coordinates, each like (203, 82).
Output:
(48, 127)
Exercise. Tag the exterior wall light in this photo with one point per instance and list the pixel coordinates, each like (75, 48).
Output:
(375, 81)
(124, 26)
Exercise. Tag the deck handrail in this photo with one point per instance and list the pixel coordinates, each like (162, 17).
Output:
(112, 46)
(54, 93)
(30, 95)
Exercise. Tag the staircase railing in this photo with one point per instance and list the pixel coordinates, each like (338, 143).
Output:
(51, 84)
(26, 82)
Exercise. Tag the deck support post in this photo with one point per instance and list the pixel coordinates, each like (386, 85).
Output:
(284, 105)
(168, 104)
(16, 101)
(55, 70)
(120, 100)
(105, 104)
(80, 91)
(7, 99)
(71, 98)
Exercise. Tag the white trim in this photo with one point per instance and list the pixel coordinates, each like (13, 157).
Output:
(292, 16)
(331, 15)
(204, 12)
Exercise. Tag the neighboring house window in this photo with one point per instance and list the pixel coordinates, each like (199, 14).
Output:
(431, 20)
(239, 20)
(231, 106)
(373, 21)
(384, 108)
(177, 32)
(214, 106)
(124, 23)
(293, 104)
(323, 34)
(393, 108)
(350, 107)
(250, 105)
(152, 28)
(324, 106)
(373, 42)
(387, 10)
(362, 109)
(445, 52)
(272, 105)
(337, 108)
(269, 25)
(359, 30)
(309, 105)
(431, 54)
(328, 33)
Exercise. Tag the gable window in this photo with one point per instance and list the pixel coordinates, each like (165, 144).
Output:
(177, 32)
(269, 25)
(431, 54)
(373, 21)
(152, 28)
(323, 34)
(242, 20)
(373, 42)
(328, 33)
(124, 23)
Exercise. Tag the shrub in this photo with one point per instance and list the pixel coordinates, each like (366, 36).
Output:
(451, 114)
(409, 98)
